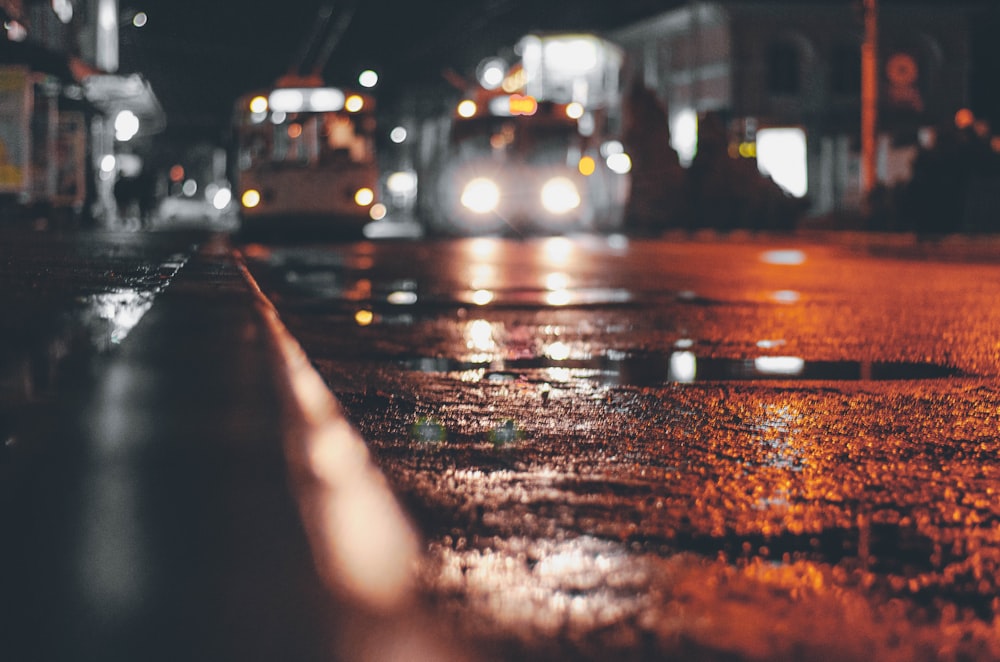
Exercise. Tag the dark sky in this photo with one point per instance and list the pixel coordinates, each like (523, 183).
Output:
(201, 54)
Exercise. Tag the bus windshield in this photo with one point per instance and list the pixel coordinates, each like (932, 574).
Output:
(519, 139)
(306, 139)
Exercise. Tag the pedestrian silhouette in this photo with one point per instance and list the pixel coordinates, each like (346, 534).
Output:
(135, 197)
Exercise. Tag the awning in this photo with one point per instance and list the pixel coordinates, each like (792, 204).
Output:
(112, 94)
(108, 93)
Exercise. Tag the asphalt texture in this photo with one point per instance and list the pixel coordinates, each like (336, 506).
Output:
(147, 507)
(188, 488)
(691, 448)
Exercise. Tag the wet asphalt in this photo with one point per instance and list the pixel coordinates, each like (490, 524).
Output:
(149, 508)
(736, 448)
(146, 511)
(716, 448)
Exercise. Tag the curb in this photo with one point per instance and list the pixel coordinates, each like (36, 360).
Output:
(365, 549)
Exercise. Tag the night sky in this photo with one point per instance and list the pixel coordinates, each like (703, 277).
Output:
(200, 55)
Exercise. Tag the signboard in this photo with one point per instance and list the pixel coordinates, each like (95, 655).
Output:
(15, 134)
(71, 155)
(522, 105)
(903, 77)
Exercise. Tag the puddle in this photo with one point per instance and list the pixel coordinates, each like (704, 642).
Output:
(110, 316)
(96, 322)
(796, 368)
(685, 367)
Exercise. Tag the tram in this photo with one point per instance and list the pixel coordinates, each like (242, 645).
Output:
(304, 157)
(533, 148)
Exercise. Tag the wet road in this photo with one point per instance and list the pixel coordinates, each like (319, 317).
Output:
(67, 296)
(145, 512)
(737, 449)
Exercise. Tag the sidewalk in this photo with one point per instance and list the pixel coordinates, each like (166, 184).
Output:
(164, 521)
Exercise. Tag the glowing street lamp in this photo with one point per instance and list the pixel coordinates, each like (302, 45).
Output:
(126, 126)
(869, 98)
(368, 78)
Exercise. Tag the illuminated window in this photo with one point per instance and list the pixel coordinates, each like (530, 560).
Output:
(781, 154)
(684, 134)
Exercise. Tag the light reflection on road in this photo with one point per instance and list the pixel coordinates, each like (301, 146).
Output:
(544, 587)
(721, 420)
(120, 310)
(652, 369)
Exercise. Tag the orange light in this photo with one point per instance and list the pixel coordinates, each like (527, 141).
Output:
(354, 103)
(250, 198)
(587, 166)
(748, 150)
(258, 105)
(901, 69)
(364, 196)
(176, 173)
(964, 118)
(294, 130)
(523, 105)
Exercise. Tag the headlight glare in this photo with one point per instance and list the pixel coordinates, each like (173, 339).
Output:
(560, 196)
(481, 195)
(250, 198)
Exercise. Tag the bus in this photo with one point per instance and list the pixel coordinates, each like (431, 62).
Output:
(304, 157)
(533, 147)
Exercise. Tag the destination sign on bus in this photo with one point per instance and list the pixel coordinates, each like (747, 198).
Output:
(514, 104)
(307, 99)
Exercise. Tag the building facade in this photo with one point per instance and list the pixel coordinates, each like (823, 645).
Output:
(786, 78)
(61, 97)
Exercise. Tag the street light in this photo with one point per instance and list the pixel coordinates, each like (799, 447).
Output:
(126, 125)
(869, 99)
(368, 78)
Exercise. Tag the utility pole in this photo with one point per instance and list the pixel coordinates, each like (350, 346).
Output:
(869, 101)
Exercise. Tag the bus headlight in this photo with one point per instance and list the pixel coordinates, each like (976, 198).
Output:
(364, 196)
(221, 198)
(559, 195)
(250, 198)
(481, 195)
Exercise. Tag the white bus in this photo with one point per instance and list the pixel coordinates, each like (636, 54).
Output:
(304, 157)
(534, 148)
